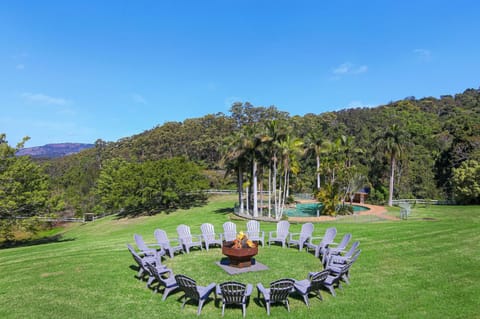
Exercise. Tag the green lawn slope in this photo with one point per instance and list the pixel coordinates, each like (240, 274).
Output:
(423, 267)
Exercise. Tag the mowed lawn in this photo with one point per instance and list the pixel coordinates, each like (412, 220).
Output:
(424, 267)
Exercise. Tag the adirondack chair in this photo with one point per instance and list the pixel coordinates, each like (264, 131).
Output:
(336, 268)
(312, 284)
(321, 248)
(147, 250)
(333, 279)
(340, 248)
(281, 234)
(140, 261)
(234, 293)
(338, 259)
(194, 292)
(187, 239)
(229, 231)
(169, 283)
(169, 245)
(299, 239)
(405, 209)
(209, 236)
(277, 292)
(254, 233)
(142, 264)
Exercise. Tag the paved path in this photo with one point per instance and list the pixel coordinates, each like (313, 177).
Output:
(379, 211)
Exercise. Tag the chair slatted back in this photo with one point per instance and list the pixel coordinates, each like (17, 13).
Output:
(283, 228)
(330, 234)
(135, 256)
(208, 231)
(188, 285)
(253, 228)
(306, 231)
(343, 244)
(280, 289)
(233, 292)
(352, 249)
(230, 231)
(184, 234)
(317, 279)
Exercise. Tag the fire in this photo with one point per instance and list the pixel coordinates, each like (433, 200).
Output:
(242, 241)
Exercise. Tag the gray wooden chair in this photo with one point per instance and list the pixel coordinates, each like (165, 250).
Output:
(254, 233)
(169, 245)
(148, 250)
(229, 231)
(187, 239)
(141, 261)
(340, 248)
(321, 248)
(405, 209)
(335, 268)
(278, 291)
(165, 278)
(194, 292)
(234, 293)
(342, 259)
(312, 284)
(209, 236)
(334, 279)
(299, 239)
(281, 234)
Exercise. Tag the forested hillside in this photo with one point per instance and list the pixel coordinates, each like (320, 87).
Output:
(439, 136)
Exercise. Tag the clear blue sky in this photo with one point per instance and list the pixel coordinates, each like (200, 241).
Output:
(76, 71)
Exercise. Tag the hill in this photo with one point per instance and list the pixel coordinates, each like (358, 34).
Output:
(53, 150)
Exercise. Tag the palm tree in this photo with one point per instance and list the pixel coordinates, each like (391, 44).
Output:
(291, 149)
(315, 146)
(392, 141)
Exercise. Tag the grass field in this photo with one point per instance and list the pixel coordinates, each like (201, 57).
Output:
(424, 267)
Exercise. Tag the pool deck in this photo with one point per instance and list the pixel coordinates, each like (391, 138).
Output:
(379, 211)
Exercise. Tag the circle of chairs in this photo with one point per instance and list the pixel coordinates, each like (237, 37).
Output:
(335, 258)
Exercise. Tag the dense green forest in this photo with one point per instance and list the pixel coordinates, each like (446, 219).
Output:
(422, 148)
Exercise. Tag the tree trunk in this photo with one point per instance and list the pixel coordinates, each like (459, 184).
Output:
(392, 174)
(240, 190)
(254, 191)
(318, 172)
(269, 191)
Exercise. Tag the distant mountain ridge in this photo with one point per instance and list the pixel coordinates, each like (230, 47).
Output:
(54, 150)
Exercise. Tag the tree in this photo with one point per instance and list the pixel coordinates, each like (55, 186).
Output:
(149, 187)
(24, 189)
(392, 142)
(466, 182)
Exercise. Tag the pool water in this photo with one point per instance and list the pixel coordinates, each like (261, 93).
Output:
(314, 209)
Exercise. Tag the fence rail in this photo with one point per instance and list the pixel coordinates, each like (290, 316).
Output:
(423, 201)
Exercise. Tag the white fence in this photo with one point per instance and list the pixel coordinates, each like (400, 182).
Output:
(396, 202)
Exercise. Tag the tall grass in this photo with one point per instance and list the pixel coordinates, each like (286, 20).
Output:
(423, 267)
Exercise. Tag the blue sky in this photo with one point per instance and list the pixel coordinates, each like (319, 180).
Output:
(76, 71)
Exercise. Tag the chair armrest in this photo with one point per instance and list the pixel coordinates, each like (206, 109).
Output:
(294, 234)
(249, 290)
(261, 288)
(272, 232)
(198, 236)
(218, 290)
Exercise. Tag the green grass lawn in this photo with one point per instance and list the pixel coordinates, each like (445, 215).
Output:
(423, 267)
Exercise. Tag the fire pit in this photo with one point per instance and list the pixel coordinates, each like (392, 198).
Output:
(239, 257)
(240, 251)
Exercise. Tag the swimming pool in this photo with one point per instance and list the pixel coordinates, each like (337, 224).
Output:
(314, 209)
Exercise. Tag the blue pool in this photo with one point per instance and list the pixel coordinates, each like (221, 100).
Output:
(314, 209)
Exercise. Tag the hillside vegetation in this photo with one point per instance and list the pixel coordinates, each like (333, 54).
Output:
(440, 134)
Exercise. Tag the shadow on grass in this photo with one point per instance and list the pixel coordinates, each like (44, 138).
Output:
(33, 242)
(223, 211)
